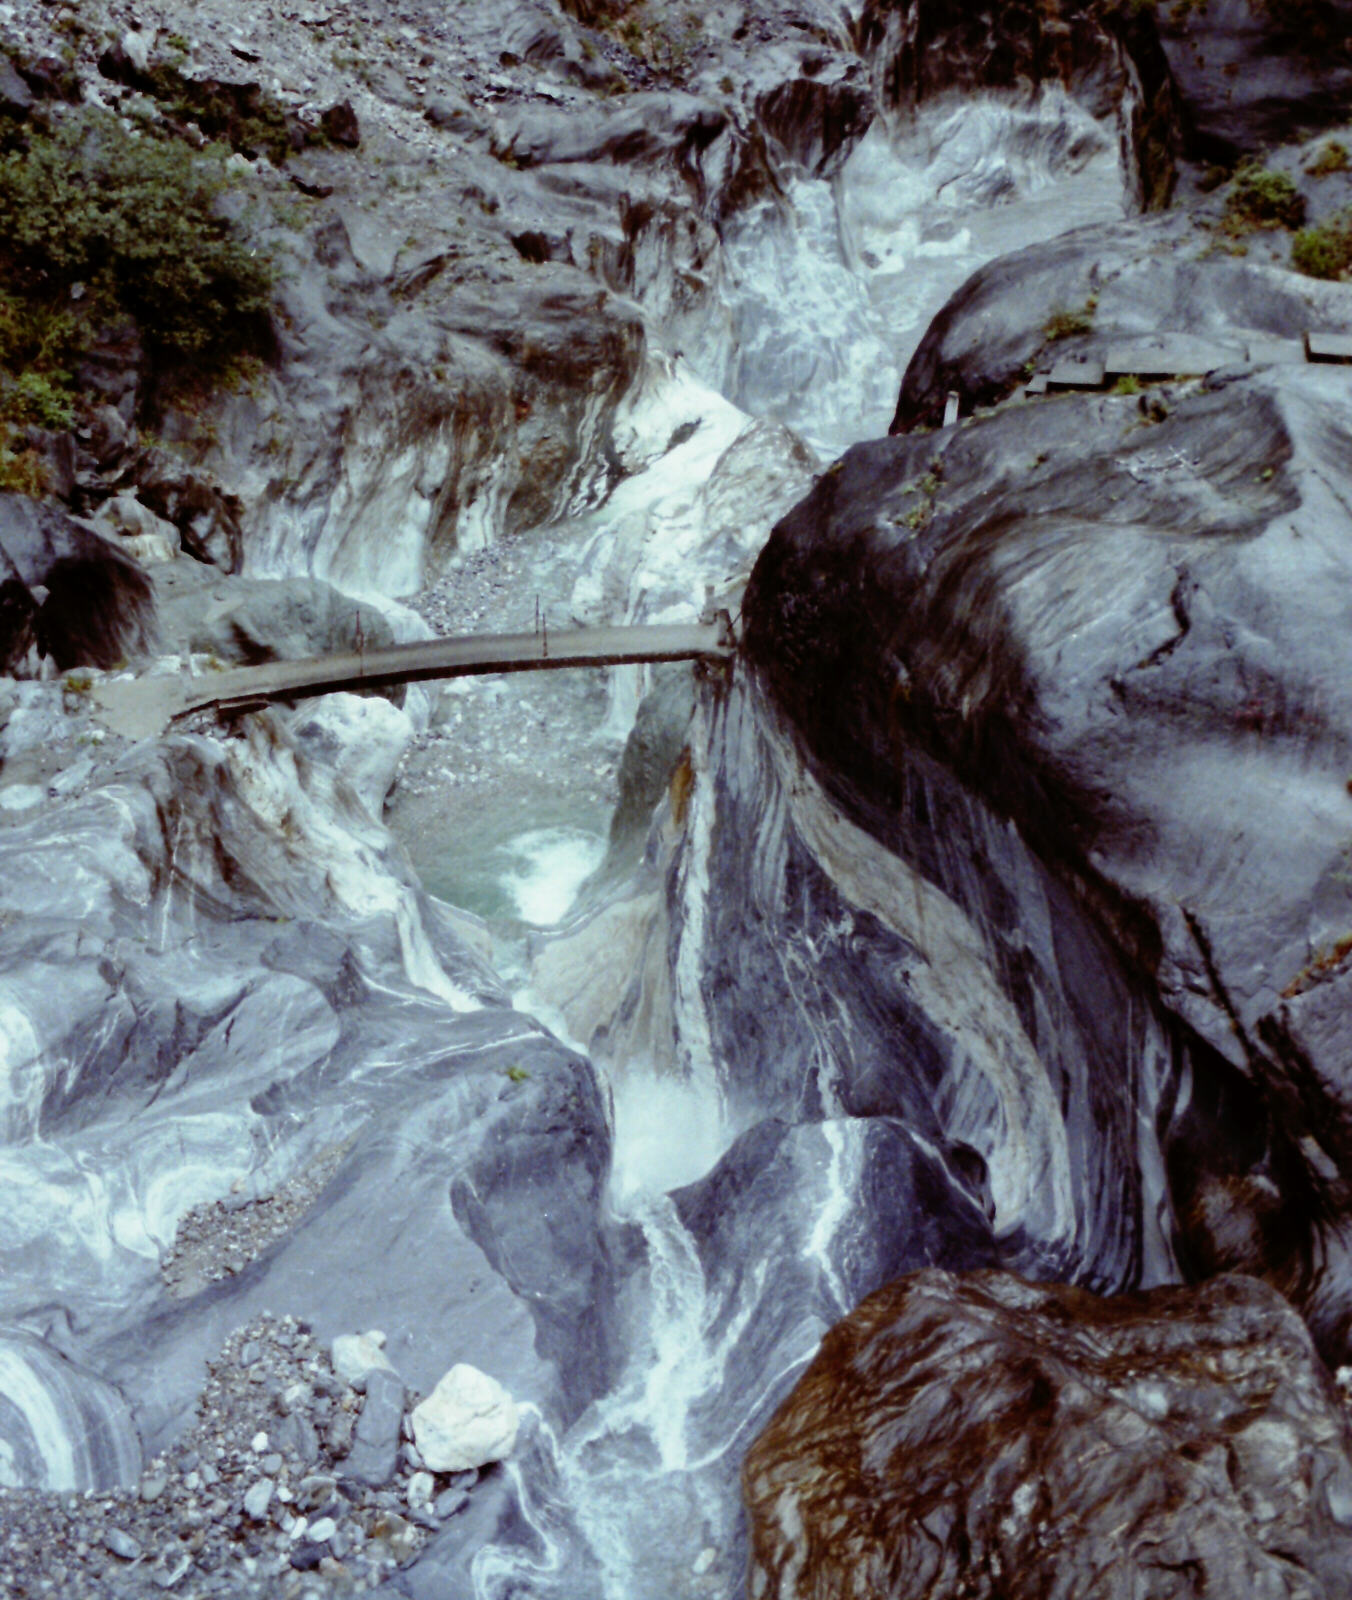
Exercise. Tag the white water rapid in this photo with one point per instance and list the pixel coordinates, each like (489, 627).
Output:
(820, 304)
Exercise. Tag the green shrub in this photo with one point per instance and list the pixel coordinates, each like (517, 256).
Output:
(1331, 157)
(44, 398)
(20, 471)
(1324, 251)
(135, 221)
(1128, 383)
(1260, 198)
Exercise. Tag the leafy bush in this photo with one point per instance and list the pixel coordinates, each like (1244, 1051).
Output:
(1324, 251)
(38, 397)
(1260, 198)
(135, 221)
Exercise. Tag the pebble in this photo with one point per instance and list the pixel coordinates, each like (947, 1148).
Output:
(258, 1498)
(449, 1501)
(323, 1530)
(259, 1444)
(122, 1544)
(420, 1488)
(152, 1487)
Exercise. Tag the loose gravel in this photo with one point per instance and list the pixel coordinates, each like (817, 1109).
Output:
(257, 1499)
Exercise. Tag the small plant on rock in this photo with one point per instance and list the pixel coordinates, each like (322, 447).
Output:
(1331, 157)
(1324, 251)
(1261, 198)
(1066, 323)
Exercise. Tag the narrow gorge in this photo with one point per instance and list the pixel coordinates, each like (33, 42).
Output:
(869, 1117)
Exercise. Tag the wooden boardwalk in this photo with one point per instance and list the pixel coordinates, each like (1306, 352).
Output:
(139, 708)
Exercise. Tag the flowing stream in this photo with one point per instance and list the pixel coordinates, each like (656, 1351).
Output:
(505, 807)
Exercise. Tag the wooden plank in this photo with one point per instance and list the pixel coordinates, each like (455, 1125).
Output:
(1169, 356)
(1276, 352)
(1328, 346)
(1076, 375)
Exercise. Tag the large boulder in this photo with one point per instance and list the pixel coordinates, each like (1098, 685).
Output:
(1079, 296)
(1127, 637)
(985, 1437)
(468, 1420)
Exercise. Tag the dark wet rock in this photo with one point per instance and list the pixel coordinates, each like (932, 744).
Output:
(340, 125)
(374, 1456)
(1108, 628)
(1254, 74)
(99, 608)
(816, 122)
(988, 1437)
(18, 613)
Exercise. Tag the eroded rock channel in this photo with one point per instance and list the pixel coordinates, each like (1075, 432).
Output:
(867, 1118)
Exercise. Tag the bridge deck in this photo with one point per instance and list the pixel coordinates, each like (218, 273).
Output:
(141, 707)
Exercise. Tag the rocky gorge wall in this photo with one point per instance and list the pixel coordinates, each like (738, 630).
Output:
(986, 917)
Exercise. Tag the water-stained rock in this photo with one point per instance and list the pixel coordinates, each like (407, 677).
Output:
(985, 1437)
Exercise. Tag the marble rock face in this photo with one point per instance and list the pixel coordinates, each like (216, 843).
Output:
(987, 1437)
(1127, 638)
(1127, 283)
(1109, 58)
(219, 978)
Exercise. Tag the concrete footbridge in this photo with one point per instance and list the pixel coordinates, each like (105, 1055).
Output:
(139, 708)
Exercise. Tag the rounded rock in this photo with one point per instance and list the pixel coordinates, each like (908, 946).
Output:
(468, 1420)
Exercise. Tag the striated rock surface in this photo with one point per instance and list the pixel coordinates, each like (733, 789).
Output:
(574, 302)
(988, 1437)
(1122, 634)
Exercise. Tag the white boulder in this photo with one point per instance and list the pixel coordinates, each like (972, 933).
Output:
(468, 1420)
(356, 1354)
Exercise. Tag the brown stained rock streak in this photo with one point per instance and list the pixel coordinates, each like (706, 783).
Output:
(981, 1436)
